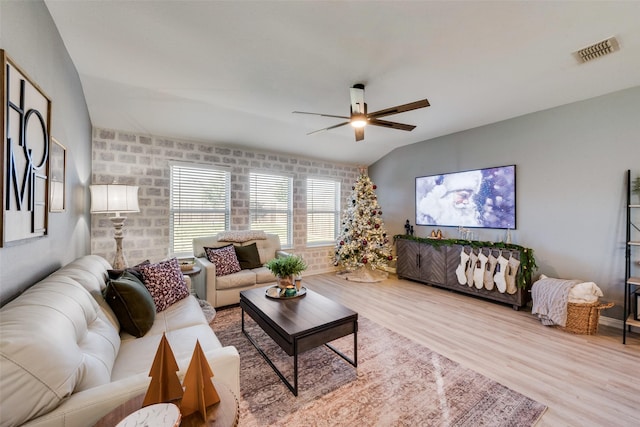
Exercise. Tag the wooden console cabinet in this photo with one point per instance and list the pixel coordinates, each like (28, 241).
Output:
(435, 263)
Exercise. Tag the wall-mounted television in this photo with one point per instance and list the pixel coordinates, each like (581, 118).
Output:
(483, 198)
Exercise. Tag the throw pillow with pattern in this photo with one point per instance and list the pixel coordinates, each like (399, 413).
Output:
(165, 283)
(224, 259)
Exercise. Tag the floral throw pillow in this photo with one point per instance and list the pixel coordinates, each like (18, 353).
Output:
(224, 259)
(165, 283)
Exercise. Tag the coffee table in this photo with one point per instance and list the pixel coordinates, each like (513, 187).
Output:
(299, 324)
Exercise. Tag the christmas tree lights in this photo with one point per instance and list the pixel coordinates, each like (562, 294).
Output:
(363, 240)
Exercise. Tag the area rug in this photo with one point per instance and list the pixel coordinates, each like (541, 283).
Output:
(397, 383)
(208, 310)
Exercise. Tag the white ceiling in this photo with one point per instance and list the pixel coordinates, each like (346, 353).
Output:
(231, 72)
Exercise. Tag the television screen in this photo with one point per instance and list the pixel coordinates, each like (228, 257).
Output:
(483, 198)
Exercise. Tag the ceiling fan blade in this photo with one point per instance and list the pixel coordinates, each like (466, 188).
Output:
(359, 134)
(330, 127)
(391, 125)
(320, 114)
(357, 99)
(400, 109)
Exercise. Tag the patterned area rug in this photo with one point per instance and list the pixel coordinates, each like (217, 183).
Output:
(208, 310)
(397, 383)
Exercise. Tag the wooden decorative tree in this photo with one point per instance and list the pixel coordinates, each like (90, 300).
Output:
(165, 385)
(199, 391)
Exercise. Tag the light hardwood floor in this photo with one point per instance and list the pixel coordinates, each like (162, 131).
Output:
(584, 380)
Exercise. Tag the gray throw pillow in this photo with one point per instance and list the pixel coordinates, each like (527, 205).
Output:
(248, 256)
(132, 304)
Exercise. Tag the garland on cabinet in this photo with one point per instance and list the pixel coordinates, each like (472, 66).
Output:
(527, 260)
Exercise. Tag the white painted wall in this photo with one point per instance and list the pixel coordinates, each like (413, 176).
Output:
(29, 36)
(571, 164)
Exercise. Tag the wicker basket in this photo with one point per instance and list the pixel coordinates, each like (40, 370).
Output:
(583, 318)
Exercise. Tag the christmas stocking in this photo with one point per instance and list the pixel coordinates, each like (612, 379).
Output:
(462, 268)
(514, 264)
(478, 274)
(490, 271)
(501, 269)
(473, 258)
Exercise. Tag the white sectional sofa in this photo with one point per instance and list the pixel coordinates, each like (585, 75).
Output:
(225, 290)
(64, 361)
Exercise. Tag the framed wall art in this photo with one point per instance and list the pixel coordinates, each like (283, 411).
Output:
(24, 155)
(57, 170)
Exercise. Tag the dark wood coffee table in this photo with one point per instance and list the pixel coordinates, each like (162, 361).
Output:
(299, 324)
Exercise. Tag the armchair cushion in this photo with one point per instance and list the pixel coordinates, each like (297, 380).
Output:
(165, 283)
(132, 304)
(248, 256)
(224, 259)
(241, 236)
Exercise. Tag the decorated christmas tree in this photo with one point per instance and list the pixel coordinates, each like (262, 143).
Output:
(363, 243)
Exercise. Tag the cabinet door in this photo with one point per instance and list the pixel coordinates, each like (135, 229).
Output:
(408, 259)
(432, 264)
(453, 261)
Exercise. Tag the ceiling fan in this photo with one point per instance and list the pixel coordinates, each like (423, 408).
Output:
(360, 118)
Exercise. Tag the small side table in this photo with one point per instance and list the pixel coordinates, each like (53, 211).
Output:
(193, 272)
(225, 413)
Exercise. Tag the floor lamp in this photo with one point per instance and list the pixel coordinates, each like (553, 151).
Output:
(117, 199)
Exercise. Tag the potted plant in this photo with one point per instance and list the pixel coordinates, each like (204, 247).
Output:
(635, 186)
(286, 269)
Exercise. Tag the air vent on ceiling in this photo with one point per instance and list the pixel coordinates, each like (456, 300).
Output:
(597, 50)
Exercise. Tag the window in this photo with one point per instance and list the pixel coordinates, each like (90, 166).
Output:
(270, 207)
(323, 211)
(199, 204)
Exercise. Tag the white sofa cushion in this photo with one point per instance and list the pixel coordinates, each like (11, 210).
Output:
(264, 275)
(90, 272)
(236, 280)
(267, 248)
(184, 313)
(70, 346)
(137, 355)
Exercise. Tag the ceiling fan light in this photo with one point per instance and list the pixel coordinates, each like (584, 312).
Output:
(358, 120)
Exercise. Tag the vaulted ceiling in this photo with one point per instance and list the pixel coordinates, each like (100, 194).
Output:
(232, 72)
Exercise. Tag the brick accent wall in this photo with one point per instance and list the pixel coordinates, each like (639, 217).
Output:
(143, 160)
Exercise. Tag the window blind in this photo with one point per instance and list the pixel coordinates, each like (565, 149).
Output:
(270, 206)
(199, 204)
(323, 210)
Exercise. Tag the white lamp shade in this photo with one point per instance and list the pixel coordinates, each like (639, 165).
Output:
(108, 198)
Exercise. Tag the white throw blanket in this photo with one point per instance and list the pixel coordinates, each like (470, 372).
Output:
(586, 292)
(550, 297)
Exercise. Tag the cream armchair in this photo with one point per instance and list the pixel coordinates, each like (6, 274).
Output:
(225, 290)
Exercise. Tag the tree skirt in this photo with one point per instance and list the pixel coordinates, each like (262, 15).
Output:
(364, 275)
(397, 383)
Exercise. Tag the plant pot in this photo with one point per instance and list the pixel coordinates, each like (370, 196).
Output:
(285, 281)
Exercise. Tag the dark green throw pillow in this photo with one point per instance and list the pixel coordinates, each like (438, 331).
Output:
(135, 270)
(248, 256)
(132, 304)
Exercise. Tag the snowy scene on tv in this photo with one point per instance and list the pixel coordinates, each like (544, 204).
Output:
(483, 198)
